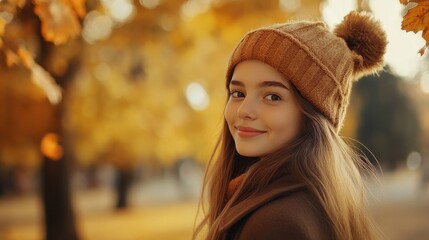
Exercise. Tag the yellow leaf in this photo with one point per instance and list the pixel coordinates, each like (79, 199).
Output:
(47, 83)
(59, 21)
(26, 58)
(417, 19)
(11, 58)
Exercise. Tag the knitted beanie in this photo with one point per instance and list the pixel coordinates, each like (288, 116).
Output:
(322, 65)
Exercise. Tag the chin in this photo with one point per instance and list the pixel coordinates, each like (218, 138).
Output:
(249, 153)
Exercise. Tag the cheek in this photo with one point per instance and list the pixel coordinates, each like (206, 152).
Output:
(288, 123)
(295, 122)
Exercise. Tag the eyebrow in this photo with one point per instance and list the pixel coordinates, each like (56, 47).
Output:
(262, 84)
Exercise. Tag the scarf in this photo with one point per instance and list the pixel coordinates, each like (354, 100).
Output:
(234, 184)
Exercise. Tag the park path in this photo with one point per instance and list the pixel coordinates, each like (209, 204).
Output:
(159, 210)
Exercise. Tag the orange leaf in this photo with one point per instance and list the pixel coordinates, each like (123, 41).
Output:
(11, 58)
(78, 7)
(422, 50)
(425, 35)
(405, 2)
(59, 21)
(417, 19)
(50, 147)
(2, 26)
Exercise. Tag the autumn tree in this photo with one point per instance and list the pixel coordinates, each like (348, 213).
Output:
(37, 42)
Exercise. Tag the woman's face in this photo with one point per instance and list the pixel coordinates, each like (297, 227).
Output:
(262, 113)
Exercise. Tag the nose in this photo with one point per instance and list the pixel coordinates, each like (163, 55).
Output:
(247, 109)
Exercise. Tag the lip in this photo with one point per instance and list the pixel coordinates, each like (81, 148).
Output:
(248, 132)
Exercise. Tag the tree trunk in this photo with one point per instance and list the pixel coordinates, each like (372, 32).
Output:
(123, 181)
(55, 174)
(59, 217)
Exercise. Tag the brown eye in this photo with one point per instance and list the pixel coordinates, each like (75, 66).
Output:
(236, 94)
(273, 97)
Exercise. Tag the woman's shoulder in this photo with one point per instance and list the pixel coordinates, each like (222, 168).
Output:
(295, 216)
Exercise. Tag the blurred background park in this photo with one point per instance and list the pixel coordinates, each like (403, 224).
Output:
(109, 110)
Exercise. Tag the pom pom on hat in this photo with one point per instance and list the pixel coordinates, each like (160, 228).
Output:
(366, 38)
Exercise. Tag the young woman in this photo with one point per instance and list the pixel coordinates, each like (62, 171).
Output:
(282, 171)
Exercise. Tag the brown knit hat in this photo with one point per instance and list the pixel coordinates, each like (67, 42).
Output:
(321, 65)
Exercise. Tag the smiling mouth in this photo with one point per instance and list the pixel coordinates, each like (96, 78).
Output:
(246, 132)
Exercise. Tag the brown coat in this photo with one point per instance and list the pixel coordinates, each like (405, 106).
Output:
(284, 210)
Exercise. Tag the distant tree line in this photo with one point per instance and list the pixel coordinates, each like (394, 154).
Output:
(388, 123)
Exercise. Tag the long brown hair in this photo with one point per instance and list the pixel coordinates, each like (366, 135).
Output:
(319, 157)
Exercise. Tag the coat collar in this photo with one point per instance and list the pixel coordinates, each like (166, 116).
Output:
(280, 187)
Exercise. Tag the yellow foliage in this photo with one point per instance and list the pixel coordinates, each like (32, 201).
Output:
(39, 76)
(25, 117)
(59, 21)
(116, 115)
